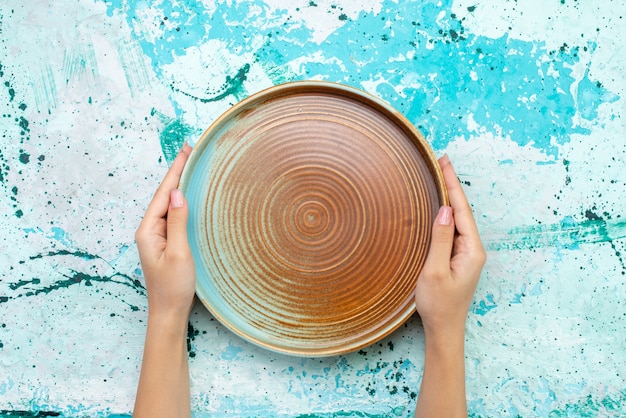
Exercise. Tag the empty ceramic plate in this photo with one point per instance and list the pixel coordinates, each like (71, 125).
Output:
(310, 211)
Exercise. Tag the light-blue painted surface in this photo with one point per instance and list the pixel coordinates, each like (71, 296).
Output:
(527, 98)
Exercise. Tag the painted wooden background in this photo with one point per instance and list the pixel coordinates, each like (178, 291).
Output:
(527, 98)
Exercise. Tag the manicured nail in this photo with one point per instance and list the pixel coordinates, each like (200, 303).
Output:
(185, 148)
(176, 199)
(445, 215)
(444, 160)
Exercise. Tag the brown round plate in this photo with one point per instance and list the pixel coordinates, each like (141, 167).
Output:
(311, 206)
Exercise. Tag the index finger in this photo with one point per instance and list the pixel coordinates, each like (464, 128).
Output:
(463, 216)
(161, 201)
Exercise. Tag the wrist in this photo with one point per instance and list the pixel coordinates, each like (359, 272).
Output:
(168, 322)
(445, 339)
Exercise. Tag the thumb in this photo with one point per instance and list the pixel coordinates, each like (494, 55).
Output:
(441, 241)
(177, 221)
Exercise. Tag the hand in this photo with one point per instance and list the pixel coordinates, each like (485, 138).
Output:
(168, 267)
(449, 277)
(443, 295)
(166, 259)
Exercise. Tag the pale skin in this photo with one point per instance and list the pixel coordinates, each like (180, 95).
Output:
(443, 296)
(168, 267)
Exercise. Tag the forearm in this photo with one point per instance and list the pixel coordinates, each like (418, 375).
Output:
(442, 393)
(163, 389)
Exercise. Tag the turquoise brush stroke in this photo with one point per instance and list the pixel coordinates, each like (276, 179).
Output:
(186, 25)
(233, 86)
(568, 234)
(395, 412)
(517, 297)
(173, 135)
(612, 404)
(231, 352)
(484, 306)
(591, 95)
(61, 236)
(6, 386)
(515, 88)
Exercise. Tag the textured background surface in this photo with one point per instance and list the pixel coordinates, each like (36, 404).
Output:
(527, 98)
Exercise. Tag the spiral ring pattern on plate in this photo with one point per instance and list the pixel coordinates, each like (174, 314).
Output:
(310, 217)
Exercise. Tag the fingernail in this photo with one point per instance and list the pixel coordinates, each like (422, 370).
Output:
(176, 199)
(445, 215)
(184, 147)
(445, 160)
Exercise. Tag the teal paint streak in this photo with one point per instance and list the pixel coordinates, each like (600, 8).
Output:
(21, 283)
(536, 290)
(441, 105)
(505, 92)
(75, 278)
(80, 62)
(186, 26)
(275, 66)
(395, 412)
(517, 297)
(172, 138)
(377, 369)
(591, 95)
(80, 254)
(233, 86)
(74, 412)
(484, 306)
(61, 236)
(173, 135)
(231, 352)
(544, 399)
(568, 235)
(611, 405)
(35, 286)
(6, 386)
